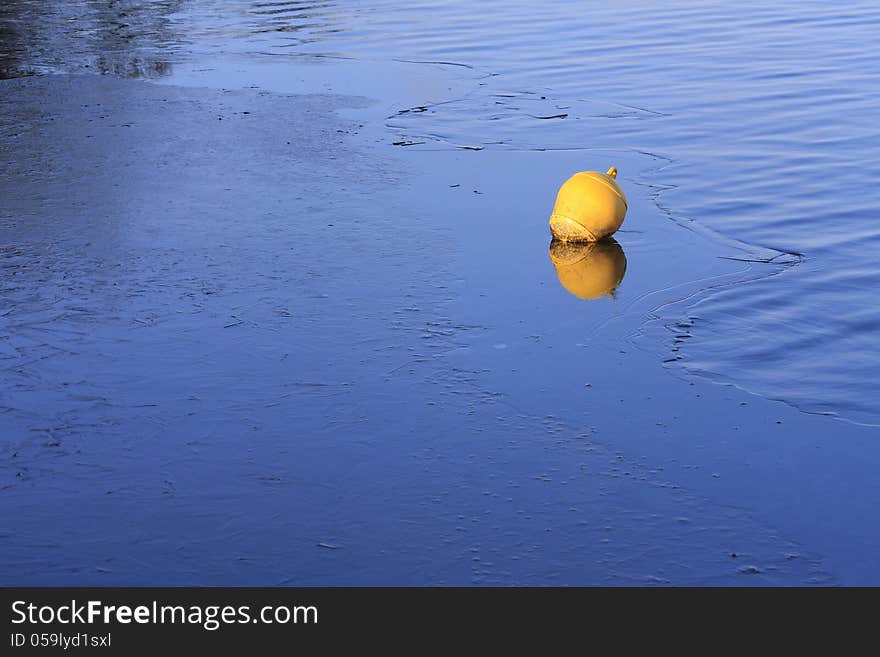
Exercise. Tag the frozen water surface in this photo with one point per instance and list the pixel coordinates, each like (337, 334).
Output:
(277, 304)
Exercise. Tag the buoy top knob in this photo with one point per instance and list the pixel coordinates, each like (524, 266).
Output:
(612, 172)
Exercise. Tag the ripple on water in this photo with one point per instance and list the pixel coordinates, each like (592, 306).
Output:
(767, 114)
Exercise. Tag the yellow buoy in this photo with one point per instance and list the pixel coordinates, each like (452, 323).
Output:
(589, 270)
(589, 206)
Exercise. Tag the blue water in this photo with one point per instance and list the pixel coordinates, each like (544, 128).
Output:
(762, 117)
(423, 396)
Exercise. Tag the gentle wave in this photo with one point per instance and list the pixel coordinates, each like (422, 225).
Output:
(767, 115)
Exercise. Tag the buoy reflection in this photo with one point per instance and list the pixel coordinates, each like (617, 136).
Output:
(589, 270)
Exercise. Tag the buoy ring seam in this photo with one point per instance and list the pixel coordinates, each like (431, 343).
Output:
(599, 178)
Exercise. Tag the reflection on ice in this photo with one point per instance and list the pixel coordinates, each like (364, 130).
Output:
(121, 39)
(589, 270)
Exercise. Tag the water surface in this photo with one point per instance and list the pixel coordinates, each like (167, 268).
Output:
(240, 328)
(762, 117)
